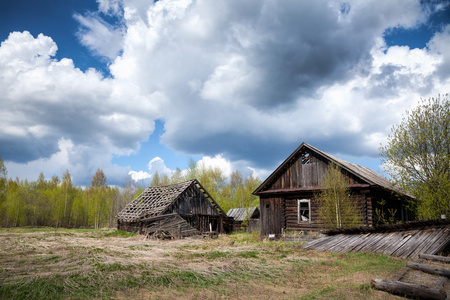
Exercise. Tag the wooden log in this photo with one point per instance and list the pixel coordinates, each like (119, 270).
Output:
(428, 269)
(435, 257)
(407, 289)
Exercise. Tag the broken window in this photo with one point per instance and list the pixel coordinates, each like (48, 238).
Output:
(306, 158)
(304, 210)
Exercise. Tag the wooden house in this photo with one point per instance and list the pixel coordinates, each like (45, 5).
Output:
(240, 214)
(177, 210)
(287, 196)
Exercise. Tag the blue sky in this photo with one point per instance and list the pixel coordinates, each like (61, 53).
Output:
(134, 87)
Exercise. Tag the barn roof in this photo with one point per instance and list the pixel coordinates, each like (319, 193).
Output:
(404, 240)
(371, 177)
(155, 200)
(239, 214)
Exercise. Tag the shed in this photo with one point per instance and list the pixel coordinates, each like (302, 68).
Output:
(287, 200)
(178, 210)
(240, 214)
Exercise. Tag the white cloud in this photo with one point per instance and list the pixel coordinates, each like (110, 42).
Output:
(234, 79)
(99, 36)
(249, 80)
(158, 165)
(44, 101)
(139, 175)
(216, 162)
(110, 7)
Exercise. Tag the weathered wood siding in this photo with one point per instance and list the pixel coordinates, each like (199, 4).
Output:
(300, 173)
(272, 216)
(193, 202)
(316, 222)
(299, 177)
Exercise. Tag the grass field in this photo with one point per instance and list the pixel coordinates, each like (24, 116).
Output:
(48, 263)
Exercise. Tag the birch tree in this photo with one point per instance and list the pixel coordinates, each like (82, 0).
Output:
(336, 208)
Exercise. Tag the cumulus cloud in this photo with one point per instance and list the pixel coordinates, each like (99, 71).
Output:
(139, 175)
(156, 165)
(249, 80)
(252, 82)
(44, 100)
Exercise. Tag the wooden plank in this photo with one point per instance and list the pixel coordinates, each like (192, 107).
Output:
(401, 245)
(442, 237)
(409, 247)
(397, 241)
(426, 239)
(407, 289)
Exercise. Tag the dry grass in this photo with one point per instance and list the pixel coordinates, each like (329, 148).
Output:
(49, 263)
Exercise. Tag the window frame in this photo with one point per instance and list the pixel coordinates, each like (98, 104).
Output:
(299, 210)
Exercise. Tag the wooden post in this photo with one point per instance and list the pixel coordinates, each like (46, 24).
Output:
(408, 289)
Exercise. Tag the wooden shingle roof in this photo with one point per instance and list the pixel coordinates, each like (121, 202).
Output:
(155, 200)
(239, 214)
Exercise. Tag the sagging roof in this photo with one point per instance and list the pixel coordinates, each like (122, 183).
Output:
(371, 177)
(155, 200)
(239, 214)
(403, 240)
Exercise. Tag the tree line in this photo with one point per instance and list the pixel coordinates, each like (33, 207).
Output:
(59, 203)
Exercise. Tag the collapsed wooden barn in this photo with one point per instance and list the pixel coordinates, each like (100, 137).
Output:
(287, 196)
(177, 210)
(240, 220)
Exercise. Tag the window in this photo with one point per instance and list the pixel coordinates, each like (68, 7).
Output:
(304, 210)
(306, 158)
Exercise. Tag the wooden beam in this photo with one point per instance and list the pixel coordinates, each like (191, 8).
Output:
(306, 189)
(407, 289)
(435, 257)
(428, 269)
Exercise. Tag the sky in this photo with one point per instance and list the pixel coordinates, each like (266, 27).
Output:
(135, 87)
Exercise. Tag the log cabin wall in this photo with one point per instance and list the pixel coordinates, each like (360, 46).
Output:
(315, 223)
(281, 212)
(299, 178)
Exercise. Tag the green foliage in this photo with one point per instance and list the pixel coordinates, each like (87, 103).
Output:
(384, 217)
(58, 203)
(417, 156)
(336, 207)
(160, 180)
(99, 179)
(3, 187)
